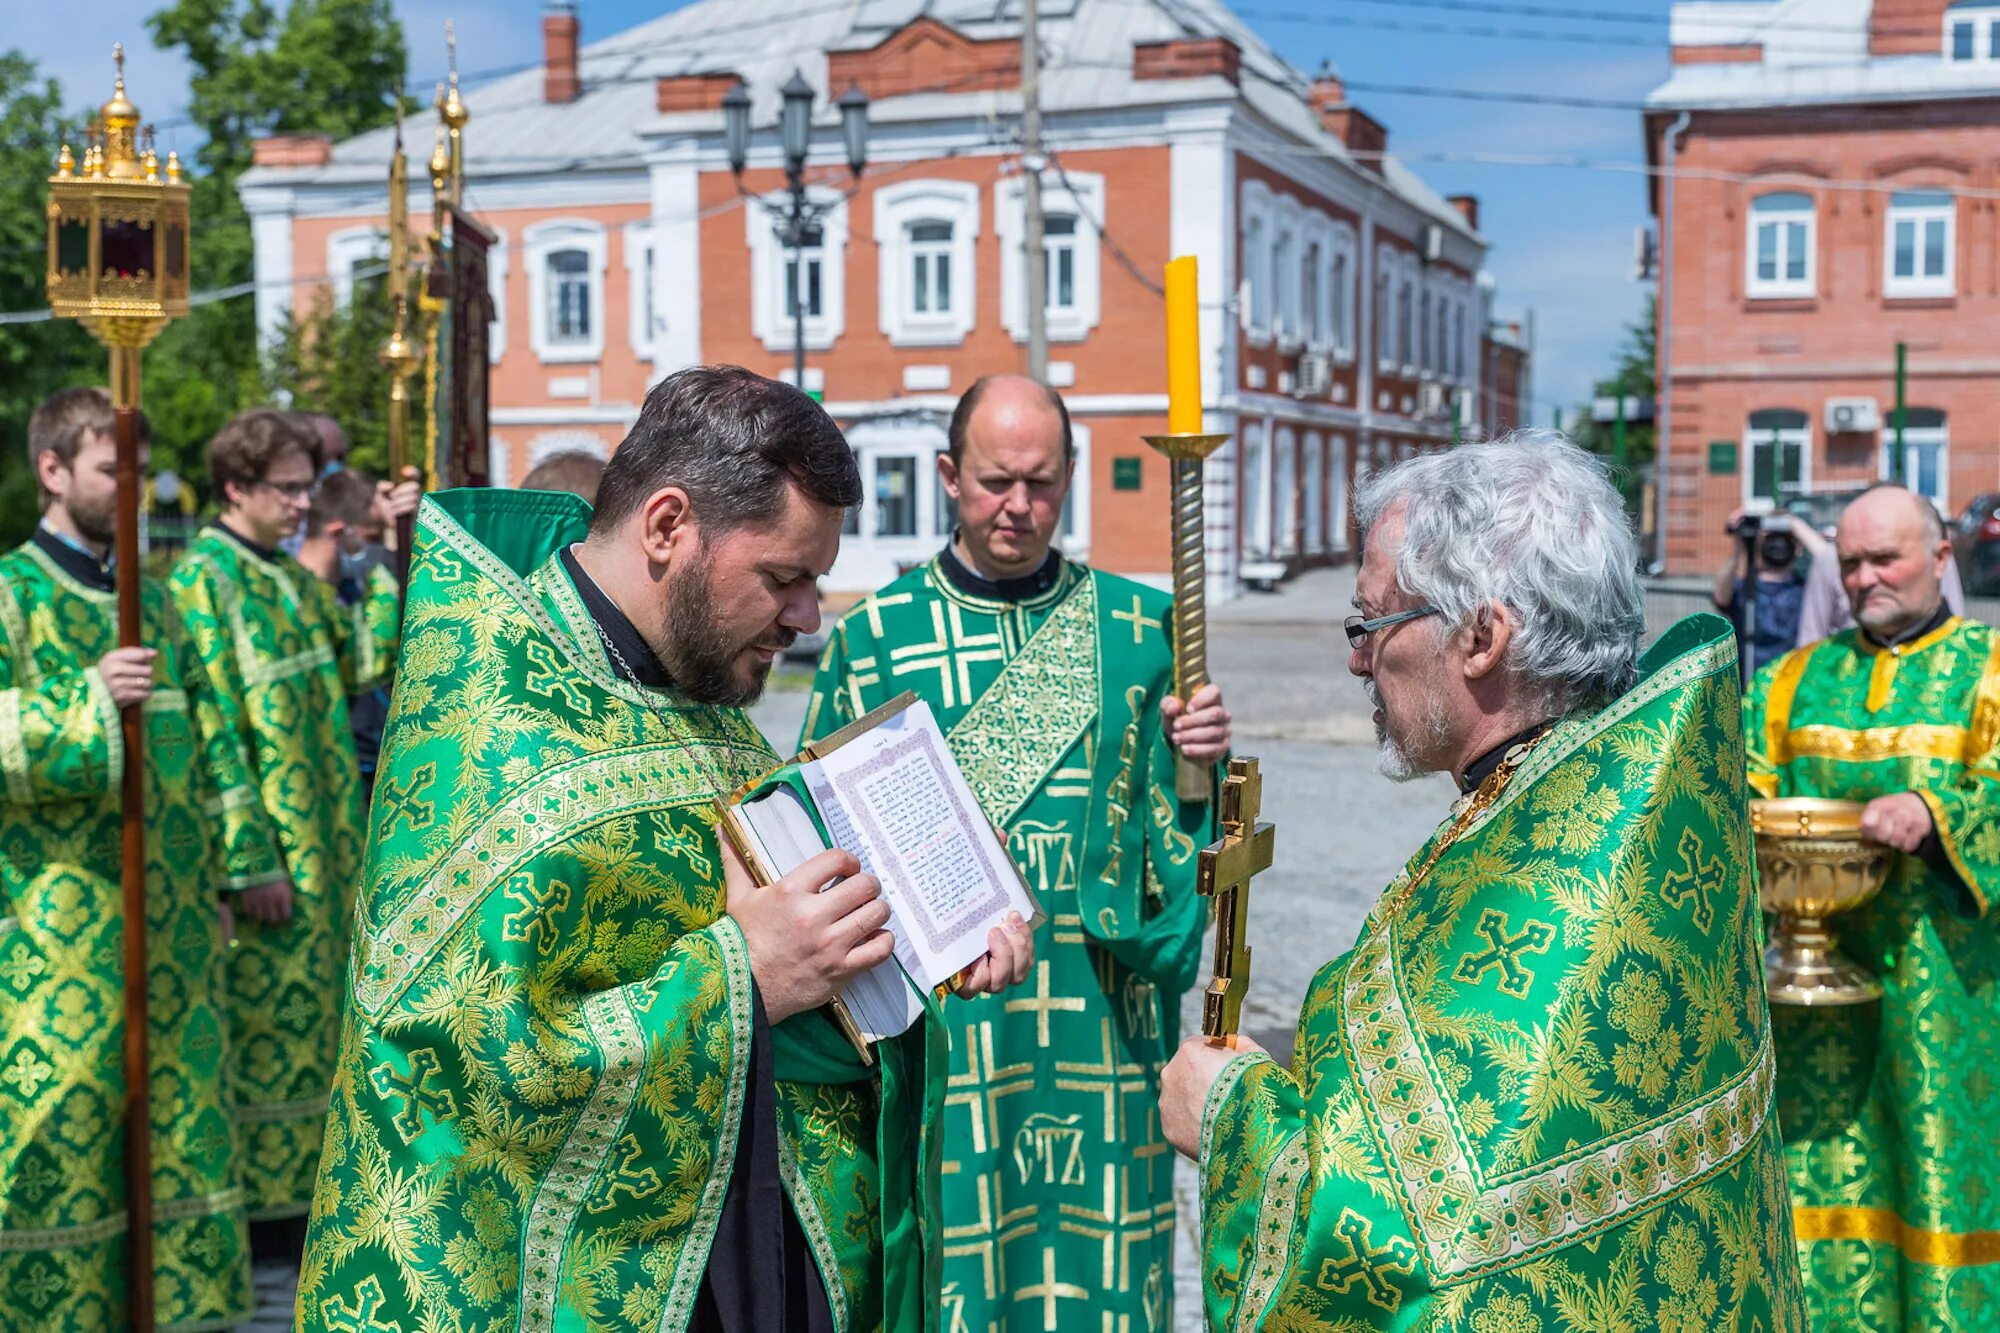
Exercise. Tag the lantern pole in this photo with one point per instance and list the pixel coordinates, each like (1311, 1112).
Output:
(118, 263)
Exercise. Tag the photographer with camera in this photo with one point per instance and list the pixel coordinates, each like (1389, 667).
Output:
(1765, 611)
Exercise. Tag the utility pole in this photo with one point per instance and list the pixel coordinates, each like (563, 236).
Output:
(1896, 465)
(1031, 198)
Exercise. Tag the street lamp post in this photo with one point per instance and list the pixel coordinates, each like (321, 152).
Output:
(798, 217)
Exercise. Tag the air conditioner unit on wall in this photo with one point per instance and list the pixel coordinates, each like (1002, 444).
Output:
(1852, 416)
(1315, 375)
(1432, 400)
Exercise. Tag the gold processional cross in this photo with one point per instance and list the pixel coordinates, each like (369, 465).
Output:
(1226, 868)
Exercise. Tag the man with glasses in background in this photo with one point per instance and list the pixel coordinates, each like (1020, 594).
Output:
(281, 663)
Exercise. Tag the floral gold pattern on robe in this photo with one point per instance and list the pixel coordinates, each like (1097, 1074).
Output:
(543, 1068)
(62, 1000)
(1537, 1094)
(1058, 1187)
(283, 659)
(1889, 1109)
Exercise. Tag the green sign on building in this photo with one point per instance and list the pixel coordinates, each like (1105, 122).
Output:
(1722, 458)
(1125, 473)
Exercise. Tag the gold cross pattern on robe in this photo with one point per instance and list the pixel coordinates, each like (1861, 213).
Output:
(1225, 870)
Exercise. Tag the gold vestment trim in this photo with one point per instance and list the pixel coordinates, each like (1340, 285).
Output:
(1939, 1249)
(1866, 744)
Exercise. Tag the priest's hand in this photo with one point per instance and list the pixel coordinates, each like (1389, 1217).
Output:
(1184, 1086)
(1010, 952)
(1199, 728)
(806, 944)
(393, 500)
(1902, 821)
(128, 674)
(269, 903)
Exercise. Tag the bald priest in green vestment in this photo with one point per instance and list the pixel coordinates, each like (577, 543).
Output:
(1536, 1095)
(585, 1081)
(1890, 1107)
(1054, 684)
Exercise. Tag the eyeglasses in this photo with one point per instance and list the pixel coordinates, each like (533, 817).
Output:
(1358, 629)
(291, 490)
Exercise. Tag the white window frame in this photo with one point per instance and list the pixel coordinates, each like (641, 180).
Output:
(1286, 482)
(1979, 25)
(1802, 436)
(1312, 470)
(1915, 437)
(1343, 276)
(351, 248)
(770, 323)
(1082, 197)
(552, 237)
(1288, 244)
(1918, 284)
(1259, 223)
(1336, 492)
(1781, 287)
(1388, 271)
(897, 208)
(642, 285)
(496, 289)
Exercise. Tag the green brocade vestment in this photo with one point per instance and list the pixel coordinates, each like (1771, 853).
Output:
(283, 658)
(1889, 1109)
(1058, 1187)
(543, 1068)
(1536, 1095)
(62, 998)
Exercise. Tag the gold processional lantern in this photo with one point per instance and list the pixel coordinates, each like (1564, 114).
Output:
(118, 264)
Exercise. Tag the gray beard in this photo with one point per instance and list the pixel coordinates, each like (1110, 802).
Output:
(1392, 755)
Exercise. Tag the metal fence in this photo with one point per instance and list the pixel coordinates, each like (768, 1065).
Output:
(1667, 600)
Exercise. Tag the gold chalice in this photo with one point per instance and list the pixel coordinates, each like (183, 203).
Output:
(1813, 864)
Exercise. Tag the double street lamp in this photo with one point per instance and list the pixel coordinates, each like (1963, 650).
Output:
(797, 219)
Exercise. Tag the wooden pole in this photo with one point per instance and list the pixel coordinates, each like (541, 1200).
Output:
(138, 1070)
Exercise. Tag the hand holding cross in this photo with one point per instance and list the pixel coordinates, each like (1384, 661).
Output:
(1224, 872)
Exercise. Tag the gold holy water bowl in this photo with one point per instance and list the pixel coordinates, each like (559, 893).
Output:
(1813, 864)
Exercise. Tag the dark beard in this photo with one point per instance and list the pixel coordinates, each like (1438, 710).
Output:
(93, 525)
(695, 654)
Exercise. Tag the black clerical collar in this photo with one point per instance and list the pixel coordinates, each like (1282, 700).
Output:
(268, 554)
(1482, 768)
(616, 627)
(75, 561)
(1936, 622)
(1018, 589)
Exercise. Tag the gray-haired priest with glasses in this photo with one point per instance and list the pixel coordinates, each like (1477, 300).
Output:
(1536, 1094)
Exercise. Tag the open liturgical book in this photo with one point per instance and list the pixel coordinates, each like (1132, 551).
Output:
(887, 789)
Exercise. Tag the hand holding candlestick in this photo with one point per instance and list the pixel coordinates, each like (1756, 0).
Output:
(1225, 869)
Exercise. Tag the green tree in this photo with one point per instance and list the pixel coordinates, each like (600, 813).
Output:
(1632, 377)
(322, 67)
(38, 358)
(327, 362)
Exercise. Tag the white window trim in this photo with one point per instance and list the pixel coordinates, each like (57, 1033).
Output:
(1290, 240)
(1982, 36)
(496, 288)
(640, 240)
(1287, 482)
(547, 238)
(1755, 502)
(1346, 308)
(899, 206)
(349, 249)
(768, 320)
(1258, 206)
(1918, 285)
(1781, 288)
(1010, 225)
(552, 442)
(1919, 435)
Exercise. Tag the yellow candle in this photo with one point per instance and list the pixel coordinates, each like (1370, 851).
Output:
(1183, 349)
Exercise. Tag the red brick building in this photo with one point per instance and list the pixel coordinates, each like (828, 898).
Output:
(1344, 315)
(1836, 168)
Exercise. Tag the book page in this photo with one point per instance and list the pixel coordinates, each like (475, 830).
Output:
(880, 1001)
(918, 826)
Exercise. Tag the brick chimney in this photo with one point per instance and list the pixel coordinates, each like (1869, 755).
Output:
(1468, 208)
(1188, 58)
(560, 30)
(1364, 135)
(292, 150)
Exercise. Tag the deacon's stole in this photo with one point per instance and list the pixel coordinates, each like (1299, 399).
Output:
(1897, 1192)
(1537, 1093)
(543, 1068)
(1052, 708)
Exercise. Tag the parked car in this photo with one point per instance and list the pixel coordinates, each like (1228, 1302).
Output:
(1821, 510)
(1975, 541)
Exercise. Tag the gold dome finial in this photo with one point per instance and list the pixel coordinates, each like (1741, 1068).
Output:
(119, 159)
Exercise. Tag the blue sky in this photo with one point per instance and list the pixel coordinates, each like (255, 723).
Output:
(1562, 236)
